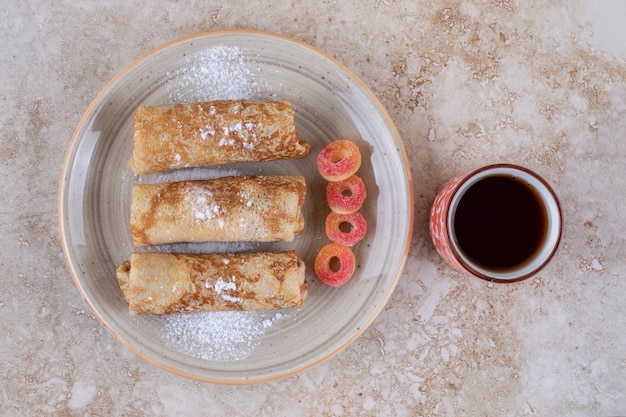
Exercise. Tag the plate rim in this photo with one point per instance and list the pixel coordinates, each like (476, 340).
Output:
(64, 186)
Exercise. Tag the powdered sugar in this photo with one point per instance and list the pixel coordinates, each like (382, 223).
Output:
(203, 204)
(217, 73)
(221, 286)
(206, 131)
(223, 336)
(246, 132)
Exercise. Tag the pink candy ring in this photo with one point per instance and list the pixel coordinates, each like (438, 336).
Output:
(329, 255)
(353, 223)
(346, 196)
(339, 160)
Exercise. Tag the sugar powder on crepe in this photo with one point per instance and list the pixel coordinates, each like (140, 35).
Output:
(217, 73)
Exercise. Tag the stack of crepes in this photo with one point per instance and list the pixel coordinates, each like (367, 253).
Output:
(226, 209)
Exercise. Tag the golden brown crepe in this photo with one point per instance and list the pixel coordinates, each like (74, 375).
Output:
(163, 283)
(213, 133)
(227, 209)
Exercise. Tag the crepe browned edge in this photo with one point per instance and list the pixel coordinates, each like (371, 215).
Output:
(164, 283)
(225, 209)
(210, 133)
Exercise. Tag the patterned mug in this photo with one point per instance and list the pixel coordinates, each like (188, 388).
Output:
(501, 223)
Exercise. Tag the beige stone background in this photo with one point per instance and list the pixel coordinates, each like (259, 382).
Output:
(467, 83)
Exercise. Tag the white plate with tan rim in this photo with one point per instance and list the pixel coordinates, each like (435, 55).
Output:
(330, 103)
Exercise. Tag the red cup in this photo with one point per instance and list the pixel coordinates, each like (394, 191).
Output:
(501, 223)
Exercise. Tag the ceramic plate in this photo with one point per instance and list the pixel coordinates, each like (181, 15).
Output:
(330, 103)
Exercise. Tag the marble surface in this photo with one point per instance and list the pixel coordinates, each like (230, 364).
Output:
(542, 84)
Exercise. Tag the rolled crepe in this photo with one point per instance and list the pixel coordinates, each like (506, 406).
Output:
(163, 283)
(227, 209)
(213, 133)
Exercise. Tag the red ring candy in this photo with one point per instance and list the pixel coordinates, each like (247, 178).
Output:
(329, 254)
(339, 160)
(346, 196)
(354, 222)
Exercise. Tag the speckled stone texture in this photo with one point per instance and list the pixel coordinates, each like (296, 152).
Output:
(540, 84)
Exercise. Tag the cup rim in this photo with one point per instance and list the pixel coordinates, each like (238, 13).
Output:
(449, 229)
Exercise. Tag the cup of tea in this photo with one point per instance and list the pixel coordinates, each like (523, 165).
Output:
(501, 223)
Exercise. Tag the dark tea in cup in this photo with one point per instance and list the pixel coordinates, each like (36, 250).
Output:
(501, 223)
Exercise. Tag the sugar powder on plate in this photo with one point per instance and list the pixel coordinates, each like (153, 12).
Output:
(218, 336)
(217, 73)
